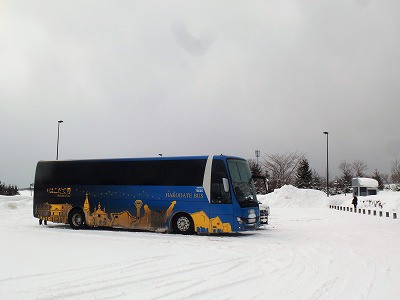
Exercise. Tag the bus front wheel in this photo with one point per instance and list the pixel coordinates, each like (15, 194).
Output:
(183, 224)
(76, 219)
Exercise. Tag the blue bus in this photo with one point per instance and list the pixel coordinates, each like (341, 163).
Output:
(186, 195)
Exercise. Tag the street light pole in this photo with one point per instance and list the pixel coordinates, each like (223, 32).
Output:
(58, 136)
(327, 163)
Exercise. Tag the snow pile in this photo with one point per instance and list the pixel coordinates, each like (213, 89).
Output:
(385, 200)
(15, 202)
(290, 196)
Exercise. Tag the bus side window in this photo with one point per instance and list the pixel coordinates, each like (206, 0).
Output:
(219, 194)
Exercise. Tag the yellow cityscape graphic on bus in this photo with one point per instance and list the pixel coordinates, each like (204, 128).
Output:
(203, 224)
(149, 220)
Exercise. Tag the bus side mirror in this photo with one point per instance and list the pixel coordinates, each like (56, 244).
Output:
(225, 183)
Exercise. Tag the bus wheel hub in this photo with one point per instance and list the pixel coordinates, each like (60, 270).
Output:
(183, 224)
(77, 220)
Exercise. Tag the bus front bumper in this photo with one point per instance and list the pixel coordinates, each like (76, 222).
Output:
(247, 223)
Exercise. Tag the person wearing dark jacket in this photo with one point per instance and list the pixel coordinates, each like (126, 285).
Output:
(355, 201)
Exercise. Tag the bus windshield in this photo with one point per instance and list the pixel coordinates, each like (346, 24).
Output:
(242, 182)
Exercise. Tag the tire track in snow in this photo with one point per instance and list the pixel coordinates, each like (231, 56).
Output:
(87, 282)
(49, 285)
(294, 259)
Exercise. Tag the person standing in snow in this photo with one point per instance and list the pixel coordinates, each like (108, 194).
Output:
(355, 201)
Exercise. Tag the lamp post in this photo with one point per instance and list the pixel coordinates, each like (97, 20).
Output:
(327, 163)
(58, 136)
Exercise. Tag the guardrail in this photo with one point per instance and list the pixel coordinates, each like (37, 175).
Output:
(365, 211)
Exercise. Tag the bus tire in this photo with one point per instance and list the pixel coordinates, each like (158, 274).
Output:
(183, 224)
(76, 219)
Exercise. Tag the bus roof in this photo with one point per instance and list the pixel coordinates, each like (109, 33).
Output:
(222, 157)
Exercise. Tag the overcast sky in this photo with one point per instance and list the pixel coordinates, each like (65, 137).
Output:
(138, 78)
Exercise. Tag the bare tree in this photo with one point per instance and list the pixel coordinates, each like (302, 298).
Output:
(347, 170)
(396, 171)
(359, 167)
(282, 168)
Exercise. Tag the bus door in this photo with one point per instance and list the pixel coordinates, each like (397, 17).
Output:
(221, 208)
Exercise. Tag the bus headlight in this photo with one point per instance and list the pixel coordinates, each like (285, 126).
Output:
(239, 220)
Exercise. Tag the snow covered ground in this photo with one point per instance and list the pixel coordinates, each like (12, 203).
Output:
(307, 252)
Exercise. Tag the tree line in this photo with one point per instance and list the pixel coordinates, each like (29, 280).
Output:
(294, 169)
(8, 190)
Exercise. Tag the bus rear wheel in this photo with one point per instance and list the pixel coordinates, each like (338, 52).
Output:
(76, 219)
(183, 224)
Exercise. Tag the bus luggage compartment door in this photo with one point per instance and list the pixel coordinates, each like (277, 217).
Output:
(221, 218)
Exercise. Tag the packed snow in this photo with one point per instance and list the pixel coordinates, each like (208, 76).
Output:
(289, 196)
(307, 252)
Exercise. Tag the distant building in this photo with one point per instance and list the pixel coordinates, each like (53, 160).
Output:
(364, 186)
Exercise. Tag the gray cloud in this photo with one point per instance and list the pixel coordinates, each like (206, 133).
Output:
(137, 79)
(195, 45)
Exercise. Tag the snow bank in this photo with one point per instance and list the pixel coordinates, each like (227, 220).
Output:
(385, 200)
(289, 196)
(15, 202)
